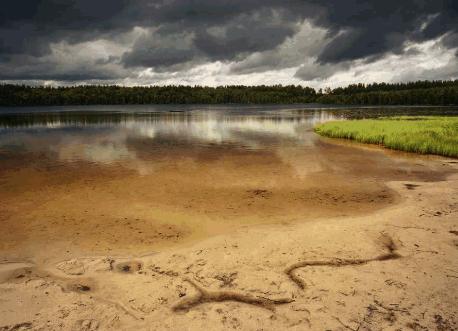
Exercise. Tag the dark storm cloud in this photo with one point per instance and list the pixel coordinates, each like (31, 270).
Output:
(194, 40)
(29, 27)
(249, 33)
(179, 32)
(371, 28)
(43, 70)
(154, 49)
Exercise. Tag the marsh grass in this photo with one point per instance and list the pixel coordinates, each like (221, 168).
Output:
(425, 134)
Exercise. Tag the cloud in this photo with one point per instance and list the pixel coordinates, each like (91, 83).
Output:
(128, 40)
(154, 50)
(312, 70)
(427, 60)
(194, 42)
(90, 60)
(294, 50)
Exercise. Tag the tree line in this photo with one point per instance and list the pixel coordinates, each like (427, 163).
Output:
(413, 93)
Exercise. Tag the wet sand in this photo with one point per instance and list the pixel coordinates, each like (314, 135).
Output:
(188, 195)
(331, 236)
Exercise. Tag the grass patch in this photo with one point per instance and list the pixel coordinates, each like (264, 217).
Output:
(424, 134)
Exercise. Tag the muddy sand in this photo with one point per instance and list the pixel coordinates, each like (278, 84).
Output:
(239, 241)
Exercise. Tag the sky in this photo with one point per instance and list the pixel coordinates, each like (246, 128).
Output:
(317, 43)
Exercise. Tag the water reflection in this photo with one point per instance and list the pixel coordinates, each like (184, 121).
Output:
(105, 135)
(105, 138)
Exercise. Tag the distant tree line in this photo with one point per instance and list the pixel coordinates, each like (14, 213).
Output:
(414, 93)
(111, 95)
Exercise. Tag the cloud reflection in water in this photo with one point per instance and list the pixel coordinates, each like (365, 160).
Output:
(107, 138)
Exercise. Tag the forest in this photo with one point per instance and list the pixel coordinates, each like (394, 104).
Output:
(412, 93)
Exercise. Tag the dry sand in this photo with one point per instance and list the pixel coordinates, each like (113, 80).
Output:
(352, 254)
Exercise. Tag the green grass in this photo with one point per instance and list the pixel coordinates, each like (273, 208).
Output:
(425, 134)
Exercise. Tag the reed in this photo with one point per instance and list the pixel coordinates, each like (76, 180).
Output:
(425, 134)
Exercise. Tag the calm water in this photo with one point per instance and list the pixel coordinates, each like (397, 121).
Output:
(136, 178)
(107, 134)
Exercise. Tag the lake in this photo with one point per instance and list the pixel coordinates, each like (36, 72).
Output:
(122, 178)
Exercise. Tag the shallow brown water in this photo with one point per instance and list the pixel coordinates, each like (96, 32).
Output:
(138, 181)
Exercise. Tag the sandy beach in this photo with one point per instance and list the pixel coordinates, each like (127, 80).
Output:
(383, 258)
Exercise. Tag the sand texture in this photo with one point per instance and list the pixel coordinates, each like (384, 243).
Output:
(394, 268)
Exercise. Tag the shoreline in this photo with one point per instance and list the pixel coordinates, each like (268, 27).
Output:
(240, 279)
